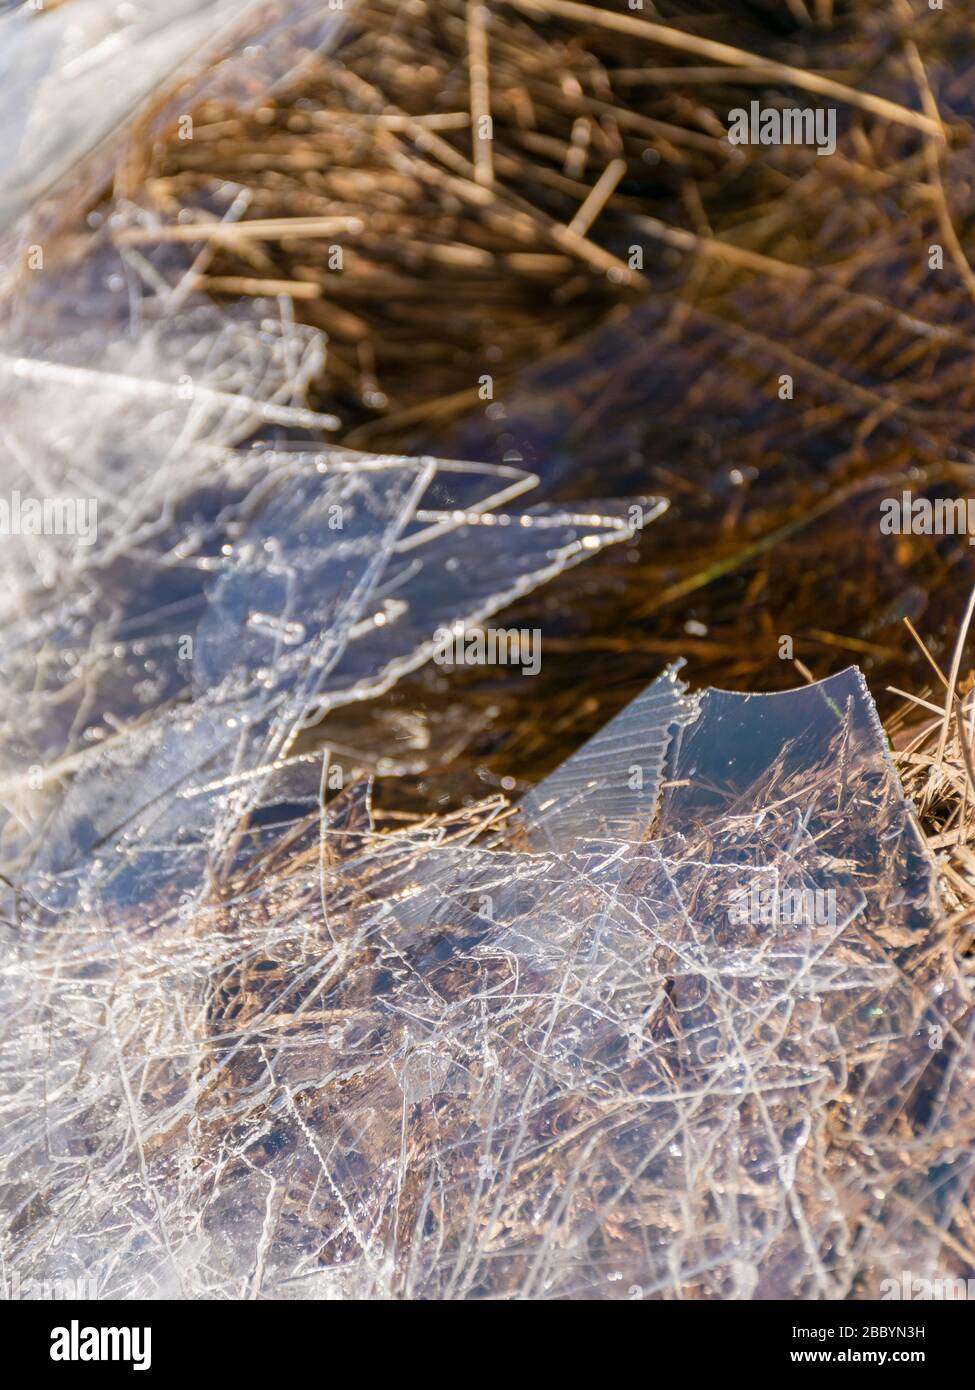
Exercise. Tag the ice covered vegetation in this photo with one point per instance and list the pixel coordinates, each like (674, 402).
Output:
(681, 1022)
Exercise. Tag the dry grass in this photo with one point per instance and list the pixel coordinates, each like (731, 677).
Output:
(462, 256)
(932, 736)
(514, 259)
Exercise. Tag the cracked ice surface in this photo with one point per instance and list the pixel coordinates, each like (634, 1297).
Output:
(473, 1058)
(253, 1046)
(154, 678)
(249, 1050)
